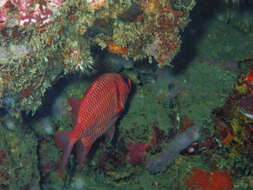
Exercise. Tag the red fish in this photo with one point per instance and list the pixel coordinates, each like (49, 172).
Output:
(93, 115)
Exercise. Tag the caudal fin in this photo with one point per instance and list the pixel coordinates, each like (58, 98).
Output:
(65, 141)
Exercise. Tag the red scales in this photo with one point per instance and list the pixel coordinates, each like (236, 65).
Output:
(93, 115)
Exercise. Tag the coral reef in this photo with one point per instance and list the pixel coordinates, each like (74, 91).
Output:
(136, 152)
(235, 118)
(18, 159)
(34, 56)
(44, 40)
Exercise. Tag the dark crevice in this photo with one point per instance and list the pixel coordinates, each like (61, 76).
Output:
(39, 140)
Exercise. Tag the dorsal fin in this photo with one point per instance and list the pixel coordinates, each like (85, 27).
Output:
(75, 104)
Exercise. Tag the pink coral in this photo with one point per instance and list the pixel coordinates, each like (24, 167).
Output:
(136, 152)
(22, 5)
(3, 17)
(30, 12)
(41, 15)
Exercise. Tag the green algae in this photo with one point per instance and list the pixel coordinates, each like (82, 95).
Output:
(225, 42)
(207, 86)
(20, 146)
(142, 116)
(148, 107)
(139, 118)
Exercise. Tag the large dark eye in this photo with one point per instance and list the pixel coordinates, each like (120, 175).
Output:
(127, 81)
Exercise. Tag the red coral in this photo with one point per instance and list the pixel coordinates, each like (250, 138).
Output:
(248, 80)
(204, 180)
(136, 152)
(249, 77)
(117, 49)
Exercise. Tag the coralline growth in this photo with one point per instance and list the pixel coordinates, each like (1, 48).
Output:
(235, 127)
(204, 180)
(43, 40)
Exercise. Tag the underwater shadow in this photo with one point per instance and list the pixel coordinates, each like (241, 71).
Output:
(51, 95)
(200, 16)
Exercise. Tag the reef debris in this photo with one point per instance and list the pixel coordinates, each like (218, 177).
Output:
(136, 152)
